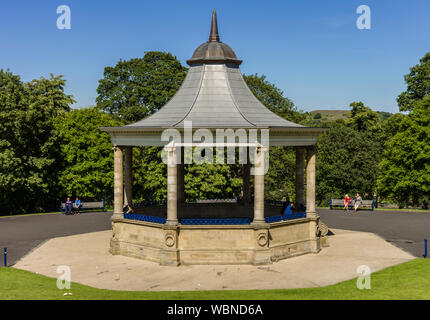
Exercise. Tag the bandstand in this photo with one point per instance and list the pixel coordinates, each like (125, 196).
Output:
(213, 97)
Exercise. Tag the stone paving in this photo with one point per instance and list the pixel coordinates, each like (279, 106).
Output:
(92, 264)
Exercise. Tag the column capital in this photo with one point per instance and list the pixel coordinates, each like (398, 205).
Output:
(311, 149)
(170, 148)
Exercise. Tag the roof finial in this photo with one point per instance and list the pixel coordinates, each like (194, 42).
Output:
(214, 37)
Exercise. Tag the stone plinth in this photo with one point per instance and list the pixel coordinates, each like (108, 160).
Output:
(214, 244)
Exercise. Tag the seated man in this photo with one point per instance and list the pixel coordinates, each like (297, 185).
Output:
(68, 206)
(77, 205)
(128, 209)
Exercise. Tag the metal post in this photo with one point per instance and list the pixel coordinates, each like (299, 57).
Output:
(425, 248)
(5, 256)
(103, 205)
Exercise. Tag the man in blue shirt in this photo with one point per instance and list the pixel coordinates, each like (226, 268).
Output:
(77, 205)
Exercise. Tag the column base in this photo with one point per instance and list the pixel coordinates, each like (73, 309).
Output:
(172, 222)
(310, 214)
(117, 215)
(258, 223)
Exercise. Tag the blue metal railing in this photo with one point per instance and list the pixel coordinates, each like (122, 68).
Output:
(142, 217)
(283, 217)
(216, 221)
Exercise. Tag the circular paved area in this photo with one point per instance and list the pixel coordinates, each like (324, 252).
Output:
(93, 265)
(21, 234)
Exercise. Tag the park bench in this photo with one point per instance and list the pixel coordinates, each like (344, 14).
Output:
(86, 205)
(339, 203)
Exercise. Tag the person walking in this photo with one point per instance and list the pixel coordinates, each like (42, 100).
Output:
(358, 202)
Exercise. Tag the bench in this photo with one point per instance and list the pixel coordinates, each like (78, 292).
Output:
(86, 205)
(339, 203)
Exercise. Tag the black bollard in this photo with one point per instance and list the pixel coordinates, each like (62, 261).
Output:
(5, 256)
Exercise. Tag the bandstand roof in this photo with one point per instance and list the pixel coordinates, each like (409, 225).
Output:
(214, 95)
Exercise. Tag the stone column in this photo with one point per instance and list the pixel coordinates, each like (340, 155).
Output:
(246, 183)
(310, 182)
(172, 188)
(118, 212)
(300, 177)
(128, 176)
(180, 178)
(259, 185)
(314, 233)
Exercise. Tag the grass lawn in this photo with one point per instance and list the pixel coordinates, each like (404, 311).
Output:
(410, 280)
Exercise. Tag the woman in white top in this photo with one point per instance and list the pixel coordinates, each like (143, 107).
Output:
(358, 201)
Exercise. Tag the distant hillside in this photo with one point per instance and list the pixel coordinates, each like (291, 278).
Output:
(333, 115)
(330, 115)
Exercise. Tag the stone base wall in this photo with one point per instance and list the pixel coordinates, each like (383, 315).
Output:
(214, 244)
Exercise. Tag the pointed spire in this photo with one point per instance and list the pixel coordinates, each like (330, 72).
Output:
(214, 37)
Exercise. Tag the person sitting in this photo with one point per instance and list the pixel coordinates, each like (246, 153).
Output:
(128, 209)
(346, 202)
(77, 205)
(285, 205)
(68, 206)
(358, 202)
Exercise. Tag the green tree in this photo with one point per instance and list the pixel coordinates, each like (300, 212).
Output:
(418, 82)
(363, 118)
(28, 149)
(86, 154)
(149, 174)
(405, 167)
(280, 178)
(138, 87)
(211, 181)
(347, 162)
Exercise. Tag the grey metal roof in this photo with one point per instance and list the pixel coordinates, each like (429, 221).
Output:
(214, 94)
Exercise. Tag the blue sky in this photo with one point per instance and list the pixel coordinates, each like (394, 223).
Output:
(312, 50)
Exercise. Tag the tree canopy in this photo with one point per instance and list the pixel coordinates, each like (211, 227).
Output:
(29, 154)
(405, 166)
(347, 162)
(418, 82)
(363, 118)
(87, 162)
(138, 87)
(48, 151)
